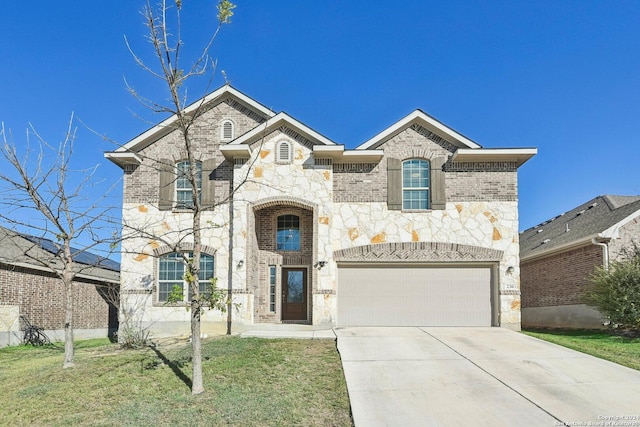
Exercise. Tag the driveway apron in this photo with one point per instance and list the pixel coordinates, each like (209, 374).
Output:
(480, 377)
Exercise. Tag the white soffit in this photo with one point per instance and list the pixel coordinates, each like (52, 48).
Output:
(518, 155)
(424, 120)
(231, 152)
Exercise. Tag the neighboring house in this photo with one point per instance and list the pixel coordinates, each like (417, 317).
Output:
(32, 294)
(559, 255)
(416, 226)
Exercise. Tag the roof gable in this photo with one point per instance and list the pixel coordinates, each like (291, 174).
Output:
(282, 120)
(599, 218)
(426, 121)
(126, 153)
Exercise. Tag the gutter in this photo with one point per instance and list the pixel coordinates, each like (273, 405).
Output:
(605, 251)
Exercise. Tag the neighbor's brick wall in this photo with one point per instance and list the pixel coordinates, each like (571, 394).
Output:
(558, 279)
(141, 182)
(41, 299)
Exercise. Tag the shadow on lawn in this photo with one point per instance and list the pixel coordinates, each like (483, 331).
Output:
(176, 367)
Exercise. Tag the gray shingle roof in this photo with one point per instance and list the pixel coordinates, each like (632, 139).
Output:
(14, 246)
(580, 223)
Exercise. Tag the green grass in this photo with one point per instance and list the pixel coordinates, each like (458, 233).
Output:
(248, 381)
(621, 350)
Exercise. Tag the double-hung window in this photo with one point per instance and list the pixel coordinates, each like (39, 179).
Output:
(171, 269)
(415, 184)
(184, 188)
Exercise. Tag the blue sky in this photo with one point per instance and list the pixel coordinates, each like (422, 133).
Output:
(562, 76)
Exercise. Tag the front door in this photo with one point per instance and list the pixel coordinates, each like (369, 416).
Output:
(294, 294)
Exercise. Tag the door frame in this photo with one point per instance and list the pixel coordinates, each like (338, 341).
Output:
(284, 317)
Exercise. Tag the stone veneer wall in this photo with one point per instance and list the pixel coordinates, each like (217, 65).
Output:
(349, 211)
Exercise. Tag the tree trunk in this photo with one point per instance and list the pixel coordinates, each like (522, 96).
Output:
(68, 326)
(197, 386)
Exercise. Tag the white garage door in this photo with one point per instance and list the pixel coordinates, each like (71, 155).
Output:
(414, 296)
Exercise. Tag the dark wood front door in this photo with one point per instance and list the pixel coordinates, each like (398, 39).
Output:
(294, 294)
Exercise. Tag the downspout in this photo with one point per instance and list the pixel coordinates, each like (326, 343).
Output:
(605, 252)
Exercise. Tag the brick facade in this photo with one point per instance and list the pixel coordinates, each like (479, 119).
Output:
(40, 296)
(464, 182)
(342, 207)
(558, 279)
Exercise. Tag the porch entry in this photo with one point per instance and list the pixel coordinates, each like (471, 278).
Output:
(294, 293)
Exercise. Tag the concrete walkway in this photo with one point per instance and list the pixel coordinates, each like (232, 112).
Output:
(480, 377)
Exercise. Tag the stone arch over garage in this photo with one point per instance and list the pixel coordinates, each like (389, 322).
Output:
(426, 252)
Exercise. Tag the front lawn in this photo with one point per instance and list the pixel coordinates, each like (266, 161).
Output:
(248, 381)
(602, 344)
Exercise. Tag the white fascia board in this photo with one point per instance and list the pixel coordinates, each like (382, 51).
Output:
(328, 151)
(235, 151)
(613, 232)
(585, 241)
(362, 156)
(519, 155)
(123, 158)
(165, 126)
(274, 122)
(424, 119)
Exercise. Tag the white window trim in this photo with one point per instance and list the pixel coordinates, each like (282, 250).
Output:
(176, 190)
(427, 189)
(185, 285)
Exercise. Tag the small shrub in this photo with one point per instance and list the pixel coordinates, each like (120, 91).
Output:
(616, 291)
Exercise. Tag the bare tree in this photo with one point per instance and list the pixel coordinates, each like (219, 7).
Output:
(167, 47)
(56, 205)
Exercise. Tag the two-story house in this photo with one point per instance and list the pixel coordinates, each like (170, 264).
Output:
(416, 226)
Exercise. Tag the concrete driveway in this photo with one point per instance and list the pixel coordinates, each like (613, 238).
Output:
(480, 377)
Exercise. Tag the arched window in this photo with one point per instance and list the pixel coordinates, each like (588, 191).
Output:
(283, 152)
(171, 269)
(415, 184)
(288, 233)
(184, 188)
(227, 130)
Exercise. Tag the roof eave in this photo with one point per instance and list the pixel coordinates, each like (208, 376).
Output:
(584, 241)
(123, 159)
(517, 155)
(231, 152)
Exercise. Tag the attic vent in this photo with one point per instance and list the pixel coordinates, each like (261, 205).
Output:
(593, 205)
(581, 212)
(283, 152)
(227, 130)
(545, 241)
(540, 231)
